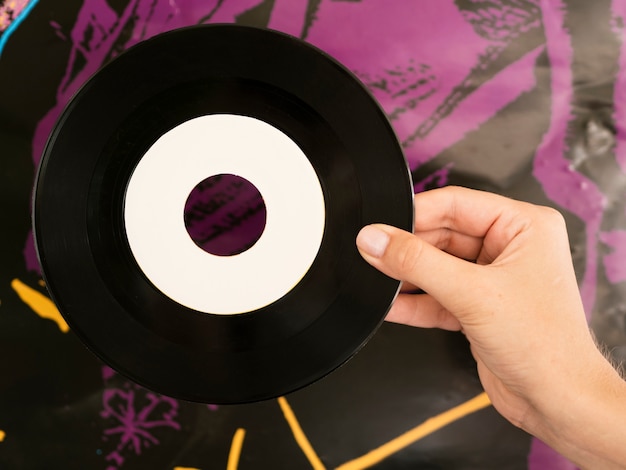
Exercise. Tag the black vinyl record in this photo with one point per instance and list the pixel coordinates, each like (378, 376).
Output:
(80, 223)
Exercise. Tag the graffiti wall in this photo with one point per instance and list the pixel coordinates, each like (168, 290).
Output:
(522, 97)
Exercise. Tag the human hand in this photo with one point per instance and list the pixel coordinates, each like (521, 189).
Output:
(501, 271)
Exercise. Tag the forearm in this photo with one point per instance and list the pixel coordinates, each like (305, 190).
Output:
(587, 422)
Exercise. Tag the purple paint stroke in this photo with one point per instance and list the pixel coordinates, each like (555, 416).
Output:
(58, 30)
(480, 106)
(619, 14)
(135, 423)
(510, 21)
(97, 34)
(404, 37)
(542, 457)
(229, 10)
(107, 373)
(561, 183)
(439, 178)
(615, 262)
(455, 98)
(31, 260)
(96, 31)
(406, 45)
(289, 16)
(408, 86)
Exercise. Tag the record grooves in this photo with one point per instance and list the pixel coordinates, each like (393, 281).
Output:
(109, 129)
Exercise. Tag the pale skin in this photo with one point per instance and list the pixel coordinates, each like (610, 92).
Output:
(501, 272)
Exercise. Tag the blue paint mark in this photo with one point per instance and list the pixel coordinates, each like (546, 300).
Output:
(16, 24)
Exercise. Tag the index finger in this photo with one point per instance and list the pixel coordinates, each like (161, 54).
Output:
(466, 211)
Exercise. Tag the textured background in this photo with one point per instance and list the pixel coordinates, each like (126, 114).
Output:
(523, 97)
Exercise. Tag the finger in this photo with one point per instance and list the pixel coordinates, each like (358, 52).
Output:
(456, 243)
(422, 311)
(403, 256)
(461, 210)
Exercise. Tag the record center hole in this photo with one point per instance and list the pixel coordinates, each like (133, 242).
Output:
(225, 214)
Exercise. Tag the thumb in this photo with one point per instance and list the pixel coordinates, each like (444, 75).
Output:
(406, 257)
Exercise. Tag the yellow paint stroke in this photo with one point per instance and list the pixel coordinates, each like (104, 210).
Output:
(235, 449)
(301, 438)
(2, 435)
(41, 305)
(427, 427)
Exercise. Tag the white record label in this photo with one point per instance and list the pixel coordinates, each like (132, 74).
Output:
(224, 144)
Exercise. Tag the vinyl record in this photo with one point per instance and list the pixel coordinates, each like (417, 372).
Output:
(196, 210)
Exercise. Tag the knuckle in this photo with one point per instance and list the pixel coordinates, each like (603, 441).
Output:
(553, 215)
(552, 219)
